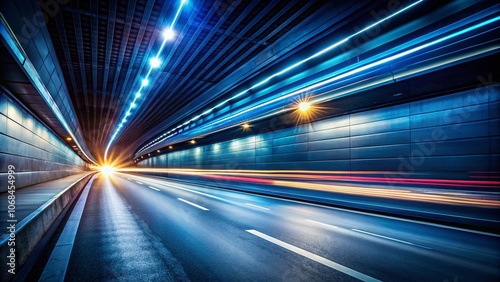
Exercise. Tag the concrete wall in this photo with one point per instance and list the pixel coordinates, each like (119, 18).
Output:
(454, 136)
(35, 152)
(32, 34)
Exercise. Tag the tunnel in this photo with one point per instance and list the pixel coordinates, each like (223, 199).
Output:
(230, 140)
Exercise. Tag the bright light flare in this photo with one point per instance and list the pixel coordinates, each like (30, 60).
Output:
(305, 110)
(155, 62)
(304, 106)
(107, 170)
(169, 34)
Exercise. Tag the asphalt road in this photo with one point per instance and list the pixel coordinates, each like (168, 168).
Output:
(142, 228)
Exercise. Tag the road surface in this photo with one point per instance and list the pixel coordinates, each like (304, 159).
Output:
(143, 228)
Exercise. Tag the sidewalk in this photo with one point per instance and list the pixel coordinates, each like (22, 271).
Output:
(30, 198)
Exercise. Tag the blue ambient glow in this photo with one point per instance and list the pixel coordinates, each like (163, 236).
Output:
(336, 76)
(155, 62)
(296, 65)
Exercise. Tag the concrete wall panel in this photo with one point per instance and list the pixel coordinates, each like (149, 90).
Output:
(35, 152)
(452, 135)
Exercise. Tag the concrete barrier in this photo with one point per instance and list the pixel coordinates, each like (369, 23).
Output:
(31, 229)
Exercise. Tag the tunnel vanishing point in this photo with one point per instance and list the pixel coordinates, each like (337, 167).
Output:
(229, 140)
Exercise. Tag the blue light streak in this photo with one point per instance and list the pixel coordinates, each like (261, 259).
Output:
(155, 62)
(11, 41)
(339, 76)
(365, 67)
(264, 81)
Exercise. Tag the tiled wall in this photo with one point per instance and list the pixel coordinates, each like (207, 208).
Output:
(35, 152)
(454, 136)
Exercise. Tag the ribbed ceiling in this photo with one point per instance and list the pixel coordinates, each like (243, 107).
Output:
(103, 49)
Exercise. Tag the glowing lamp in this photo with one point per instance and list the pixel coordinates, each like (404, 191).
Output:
(155, 62)
(304, 106)
(168, 34)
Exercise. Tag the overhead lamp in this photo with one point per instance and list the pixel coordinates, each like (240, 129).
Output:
(304, 106)
(168, 34)
(145, 82)
(138, 94)
(245, 125)
(132, 105)
(192, 141)
(69, 138)
(127, 114)
(157, 151)
(155, 62)
(170, 147)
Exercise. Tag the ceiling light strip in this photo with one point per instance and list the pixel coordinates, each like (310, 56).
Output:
(346, 74)
(154, 62)
(363, 68)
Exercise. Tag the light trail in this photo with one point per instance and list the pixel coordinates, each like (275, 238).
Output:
(327, 181)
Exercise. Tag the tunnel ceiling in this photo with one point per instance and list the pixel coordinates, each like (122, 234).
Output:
(103, 48)
(220, 47)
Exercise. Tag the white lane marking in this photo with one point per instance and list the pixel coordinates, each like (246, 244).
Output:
(255, 206)
(321, 223)
(309, 255)
(193, 204)
(154, 188)
(59, 258)
(139, 182)
(389, 238)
